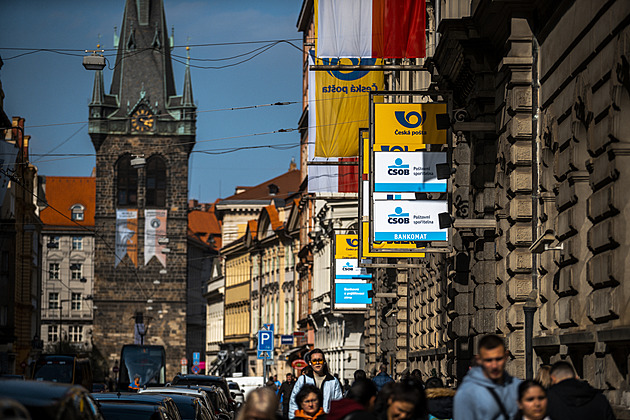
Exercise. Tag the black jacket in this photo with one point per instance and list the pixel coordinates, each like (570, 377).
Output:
(285, 392)
(440, 402)
(573, 399)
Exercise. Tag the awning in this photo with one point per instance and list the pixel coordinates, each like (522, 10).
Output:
(293, 351)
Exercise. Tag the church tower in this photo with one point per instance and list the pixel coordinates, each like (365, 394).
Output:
(143, 133)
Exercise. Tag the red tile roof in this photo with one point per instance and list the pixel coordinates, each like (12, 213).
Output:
(63, 192)
(287, 183)
(204, 226)
(274, 217)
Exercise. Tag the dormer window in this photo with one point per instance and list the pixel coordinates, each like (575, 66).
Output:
(77, 212)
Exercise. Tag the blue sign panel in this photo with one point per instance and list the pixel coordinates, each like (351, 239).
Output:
(352, 293)
(264, 354)
(196, 358)
(286, 339)
(265, 341)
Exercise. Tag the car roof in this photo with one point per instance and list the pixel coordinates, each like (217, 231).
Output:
(201, 377)
(131, 407)
(171, 390)
(38, 393)
(130, 396)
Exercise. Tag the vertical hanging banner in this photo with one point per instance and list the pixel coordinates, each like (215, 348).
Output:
(340, 101)
(370, 28)
(154, 229)
(126, 236)
(351, 282)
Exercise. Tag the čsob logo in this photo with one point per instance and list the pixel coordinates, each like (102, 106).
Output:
(406, 120)
(352, 242)
(398, 217)
(398, 168)
(347, 267)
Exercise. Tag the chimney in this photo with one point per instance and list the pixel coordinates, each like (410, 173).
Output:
(292, 165)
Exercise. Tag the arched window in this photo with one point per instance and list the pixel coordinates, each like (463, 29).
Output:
(126, 182)
(77, 212)
(156, 182)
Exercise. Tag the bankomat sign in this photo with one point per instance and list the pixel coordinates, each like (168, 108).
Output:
(408, 124)
(409, 220)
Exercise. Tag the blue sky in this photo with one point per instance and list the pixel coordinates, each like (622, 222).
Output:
(48, 88)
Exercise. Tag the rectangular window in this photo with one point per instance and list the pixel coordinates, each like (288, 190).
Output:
(77, 271)
(53, 300)
(76, 333)
(53, 242)
(53, 271)
(77, 243)
(76, 302)
(53, 333)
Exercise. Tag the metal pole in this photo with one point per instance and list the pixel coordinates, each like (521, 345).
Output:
(530, 309)
(60, 321)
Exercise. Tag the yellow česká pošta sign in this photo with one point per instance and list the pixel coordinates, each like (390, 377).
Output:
(408, 124)
(342, 106)
(346, 247)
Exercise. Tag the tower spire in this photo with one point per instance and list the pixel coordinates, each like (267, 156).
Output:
(187, 96)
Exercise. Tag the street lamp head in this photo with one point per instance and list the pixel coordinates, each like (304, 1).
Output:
(94, 61)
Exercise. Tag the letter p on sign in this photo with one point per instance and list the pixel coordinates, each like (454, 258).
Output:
(265, 340)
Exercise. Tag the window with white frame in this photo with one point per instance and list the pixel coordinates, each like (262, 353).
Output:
(53, 242)
(53, 271)
(76, 271)
(53, 300)
(77, 212)
(76, 333)
(76, 301)
(53, 333)
(77, 243)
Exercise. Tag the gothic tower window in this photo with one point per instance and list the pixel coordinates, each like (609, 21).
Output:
(127, 182)
(156, 182)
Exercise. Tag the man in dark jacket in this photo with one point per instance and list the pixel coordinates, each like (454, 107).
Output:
(382, 378)
(358, 404)
(570, 398)
(284, 393)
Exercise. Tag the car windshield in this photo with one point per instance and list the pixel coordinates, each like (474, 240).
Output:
(55, 371)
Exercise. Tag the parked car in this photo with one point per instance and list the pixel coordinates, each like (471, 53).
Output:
(11, 409)
(218, 381)
(247, 383)
(135, 398)
(122, 411)
(216, 396)
(169, 390)
(236, 393)
(191, 407)
(54, 401)
(64, 368)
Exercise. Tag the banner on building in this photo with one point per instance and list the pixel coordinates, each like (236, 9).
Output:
(154, 229)
(370, 28)
(126, 236)
(350, 282)
(339, 105)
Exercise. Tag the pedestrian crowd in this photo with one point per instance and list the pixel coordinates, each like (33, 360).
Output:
(487, 392)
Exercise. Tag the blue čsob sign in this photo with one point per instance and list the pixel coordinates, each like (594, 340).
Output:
(408, 172)
(352, 293)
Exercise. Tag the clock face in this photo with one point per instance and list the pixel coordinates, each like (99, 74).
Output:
(142, 120)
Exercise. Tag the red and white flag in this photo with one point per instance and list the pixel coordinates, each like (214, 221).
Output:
(370, 28)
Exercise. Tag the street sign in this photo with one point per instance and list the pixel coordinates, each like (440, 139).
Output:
(196, 358)
(299, 333)
(196, 369)
(184, 370)
(263, 354)
(286, 339)
(299, 364)
(265, 340)
(184, 361)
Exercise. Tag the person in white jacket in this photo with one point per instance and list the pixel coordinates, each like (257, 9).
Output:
(317, 374)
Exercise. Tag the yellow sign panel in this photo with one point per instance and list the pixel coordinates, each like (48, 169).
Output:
(386, 246)
(408, 124)
(346, 247)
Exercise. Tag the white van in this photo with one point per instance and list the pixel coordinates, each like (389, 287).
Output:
(247, 383)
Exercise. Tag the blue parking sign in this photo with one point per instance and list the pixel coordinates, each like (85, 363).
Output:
(265, 340)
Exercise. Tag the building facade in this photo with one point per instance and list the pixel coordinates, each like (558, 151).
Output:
(143, 133)
(68, 263)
